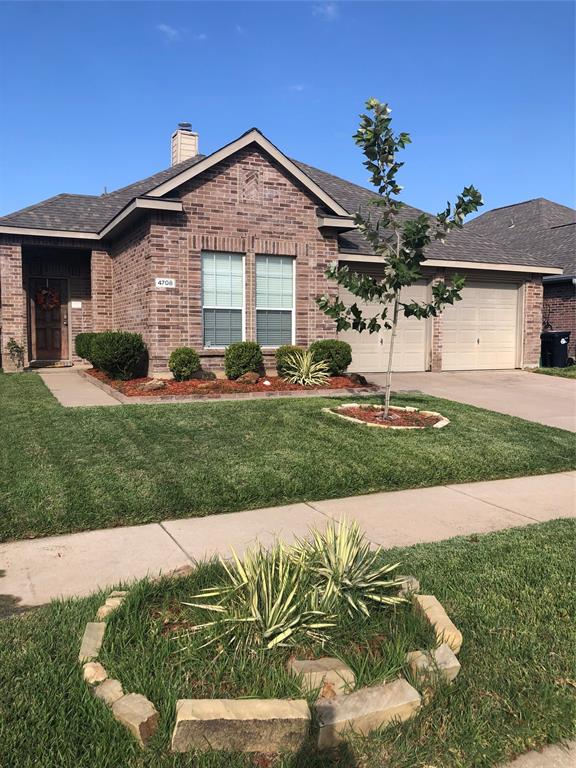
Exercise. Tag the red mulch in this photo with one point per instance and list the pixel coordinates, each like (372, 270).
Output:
(215, 386)
(400, 418)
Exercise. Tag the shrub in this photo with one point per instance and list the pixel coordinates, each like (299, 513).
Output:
(119, 354)
(301, 368)
(184, 362)
(338, 354)
(83, 345)
(241, 357)
(282, 354)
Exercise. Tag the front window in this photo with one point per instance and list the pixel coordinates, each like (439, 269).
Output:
(274, 300)
(222, 298)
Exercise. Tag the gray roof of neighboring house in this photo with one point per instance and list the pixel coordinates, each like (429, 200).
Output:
(545, 229)
(90, 213)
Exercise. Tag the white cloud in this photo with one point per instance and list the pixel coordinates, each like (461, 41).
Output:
(201, 36)
(170, 33)
(240, 30)
(326, 11)
(297, 87)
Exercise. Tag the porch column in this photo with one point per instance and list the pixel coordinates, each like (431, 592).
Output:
(101, 289)
(12, 302)
(436, 343)
(532, 321)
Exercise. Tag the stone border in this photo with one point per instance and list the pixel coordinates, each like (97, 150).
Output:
(153, 400)
(283, 725)
(133, 710)
(335, 411)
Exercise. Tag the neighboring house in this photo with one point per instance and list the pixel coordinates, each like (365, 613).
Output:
(547, 231)
(234, 246)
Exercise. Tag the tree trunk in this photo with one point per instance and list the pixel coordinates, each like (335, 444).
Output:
(390, 355)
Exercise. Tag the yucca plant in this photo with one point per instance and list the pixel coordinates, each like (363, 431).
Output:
(265, 601)
(346, 571)
(300, 367)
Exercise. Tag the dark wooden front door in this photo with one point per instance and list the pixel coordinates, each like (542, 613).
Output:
(49, 318)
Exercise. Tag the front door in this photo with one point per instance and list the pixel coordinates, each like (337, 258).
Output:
(49, 318)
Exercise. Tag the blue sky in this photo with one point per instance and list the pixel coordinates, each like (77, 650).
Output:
(90, 92)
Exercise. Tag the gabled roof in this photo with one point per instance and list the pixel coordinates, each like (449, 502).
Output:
(93, 215)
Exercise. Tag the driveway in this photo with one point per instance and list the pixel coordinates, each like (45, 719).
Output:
(545, 399)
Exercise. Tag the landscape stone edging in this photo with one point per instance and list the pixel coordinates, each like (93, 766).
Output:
(153, 400)
(133, 710)
(336, 412)
(362, 710)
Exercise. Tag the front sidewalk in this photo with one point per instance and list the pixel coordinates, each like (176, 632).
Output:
(34, 572)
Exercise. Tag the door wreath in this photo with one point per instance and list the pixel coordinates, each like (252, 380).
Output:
(47, 299)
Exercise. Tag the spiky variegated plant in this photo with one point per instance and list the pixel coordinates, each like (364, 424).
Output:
(265, 602)
(300, 367)
(400, 244)
(347, 571)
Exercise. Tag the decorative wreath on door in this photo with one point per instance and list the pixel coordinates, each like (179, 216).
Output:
(47, 299)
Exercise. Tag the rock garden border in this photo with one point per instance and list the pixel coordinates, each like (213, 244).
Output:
(337, 411)
(282, 725)
(323, 392)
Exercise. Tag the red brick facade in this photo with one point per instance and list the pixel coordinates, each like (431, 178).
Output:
(560, 310)
(247, 204)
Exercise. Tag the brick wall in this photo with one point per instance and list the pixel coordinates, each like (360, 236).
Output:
(101, 289)
(131, 283)
(12, 298)
(532, 321)
(247, 204)
(560, 310)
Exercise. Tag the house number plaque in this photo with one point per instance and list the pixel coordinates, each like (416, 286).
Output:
(165, 282)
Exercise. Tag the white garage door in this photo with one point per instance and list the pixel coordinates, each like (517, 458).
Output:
(370, 351)
(480, 332)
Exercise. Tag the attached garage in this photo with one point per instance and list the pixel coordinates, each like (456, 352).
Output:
(370, 350)
(481, 331)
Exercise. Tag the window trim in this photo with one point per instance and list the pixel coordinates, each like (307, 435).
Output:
(208, 306)
(292, 309)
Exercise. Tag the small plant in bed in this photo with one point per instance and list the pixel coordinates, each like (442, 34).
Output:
(293, 596)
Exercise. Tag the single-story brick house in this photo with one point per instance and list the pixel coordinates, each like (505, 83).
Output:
(234, 246)
(548, 230)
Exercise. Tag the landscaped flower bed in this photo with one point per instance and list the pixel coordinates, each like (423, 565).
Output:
(398, 417)
(136, 388)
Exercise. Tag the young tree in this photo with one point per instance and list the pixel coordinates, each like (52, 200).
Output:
(400, 244)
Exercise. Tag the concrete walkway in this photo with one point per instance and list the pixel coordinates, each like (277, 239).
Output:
(73, 390)
(548, 400)
(32, 572)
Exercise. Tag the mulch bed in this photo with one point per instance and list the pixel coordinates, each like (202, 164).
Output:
(399, 418)
(216, 386)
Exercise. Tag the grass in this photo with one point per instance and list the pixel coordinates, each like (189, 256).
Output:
(565, 373)
(73, 469)
(512, 593)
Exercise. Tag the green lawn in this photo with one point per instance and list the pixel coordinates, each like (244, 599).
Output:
(565, 373)
(73, 469)
(512, 593)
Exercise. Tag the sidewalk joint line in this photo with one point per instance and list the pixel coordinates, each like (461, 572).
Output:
(491, 504)
(315, 509)
(180, 547)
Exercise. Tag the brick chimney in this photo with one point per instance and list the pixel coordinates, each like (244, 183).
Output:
(184, 143)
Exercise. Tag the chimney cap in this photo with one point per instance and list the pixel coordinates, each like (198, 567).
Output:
(185, 126)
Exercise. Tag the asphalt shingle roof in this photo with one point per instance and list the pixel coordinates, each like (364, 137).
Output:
(90, 213)
(540, 227)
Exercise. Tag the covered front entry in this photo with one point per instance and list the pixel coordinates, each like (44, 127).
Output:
(481, 331)
(48, 299)
(58, 302)
(370, 351)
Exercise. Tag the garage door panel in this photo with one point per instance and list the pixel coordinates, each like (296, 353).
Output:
(370, 351)
(480, 332)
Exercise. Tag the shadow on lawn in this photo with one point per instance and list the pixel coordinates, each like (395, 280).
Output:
(9, 604)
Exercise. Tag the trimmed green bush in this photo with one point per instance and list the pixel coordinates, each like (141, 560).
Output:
(283, 353)
(338, 354)
(184, 362)
(120, 355)
(83, 345)
(241, 357)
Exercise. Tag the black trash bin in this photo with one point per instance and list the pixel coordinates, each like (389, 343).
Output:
(554, 351)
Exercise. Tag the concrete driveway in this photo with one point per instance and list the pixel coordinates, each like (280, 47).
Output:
(545, 399)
